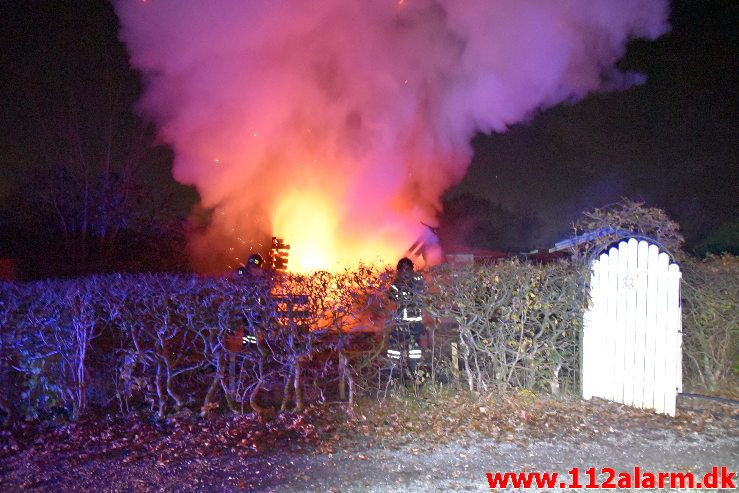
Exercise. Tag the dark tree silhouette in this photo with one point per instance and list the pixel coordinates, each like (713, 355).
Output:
(92, 191)
(470, 221)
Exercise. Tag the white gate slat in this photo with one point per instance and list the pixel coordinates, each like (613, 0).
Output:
(632, 338)
(589, 354)
(600, 332)
(611, 327)
(640, 323)
(661, 352)
(619, 374)
(630, 321)
(673, 380)
(677, 314)
(651, 326)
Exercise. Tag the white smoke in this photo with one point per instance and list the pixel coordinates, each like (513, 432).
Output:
(349, 118)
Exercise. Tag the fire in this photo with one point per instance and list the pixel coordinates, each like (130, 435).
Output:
(311, 222)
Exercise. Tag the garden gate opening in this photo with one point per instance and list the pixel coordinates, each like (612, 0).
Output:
(632, 337)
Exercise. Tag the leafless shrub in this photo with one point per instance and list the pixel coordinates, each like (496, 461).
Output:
(174, 340)
(54, 325)
(320, 336)
(10, 299)
(628, 218)
(518, 323)
(710, 292)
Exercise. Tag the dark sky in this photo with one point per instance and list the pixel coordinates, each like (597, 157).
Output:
(672, 142)
(60, 57)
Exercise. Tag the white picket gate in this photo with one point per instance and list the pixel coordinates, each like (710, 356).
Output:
(632, 330)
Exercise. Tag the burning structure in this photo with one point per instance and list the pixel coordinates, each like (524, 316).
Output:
(338, 125)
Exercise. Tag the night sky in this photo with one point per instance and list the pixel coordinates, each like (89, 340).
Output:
(672, 142)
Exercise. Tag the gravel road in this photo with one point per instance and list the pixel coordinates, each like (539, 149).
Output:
(407, 464)
(461, 466)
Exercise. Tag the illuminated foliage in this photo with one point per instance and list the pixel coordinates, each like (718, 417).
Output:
(123, 343)
(628, 219)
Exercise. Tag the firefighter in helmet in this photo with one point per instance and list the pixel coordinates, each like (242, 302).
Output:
(253, 268)
(407, 291)
(258, 281)
(258, 278)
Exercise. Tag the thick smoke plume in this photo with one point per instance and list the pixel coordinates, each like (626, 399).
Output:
(339, 123)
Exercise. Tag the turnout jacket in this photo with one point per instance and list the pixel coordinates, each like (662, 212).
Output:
(257, 298)
(407, 291)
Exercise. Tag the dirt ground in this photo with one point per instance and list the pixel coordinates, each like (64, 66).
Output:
(424, 448)
(461, 466)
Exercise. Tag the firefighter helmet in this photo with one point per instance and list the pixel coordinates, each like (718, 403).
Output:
(405, 264)
(256, 260)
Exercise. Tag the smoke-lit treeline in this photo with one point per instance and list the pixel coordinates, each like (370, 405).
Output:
(338, 124)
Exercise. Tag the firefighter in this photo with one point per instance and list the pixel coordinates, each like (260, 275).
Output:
(407, 291)
(259, 281)
(253, 268)
(255, 274)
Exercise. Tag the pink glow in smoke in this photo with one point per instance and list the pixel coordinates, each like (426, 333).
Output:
(339, 123)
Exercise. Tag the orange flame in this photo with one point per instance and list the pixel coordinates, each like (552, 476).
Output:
(311, 222)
